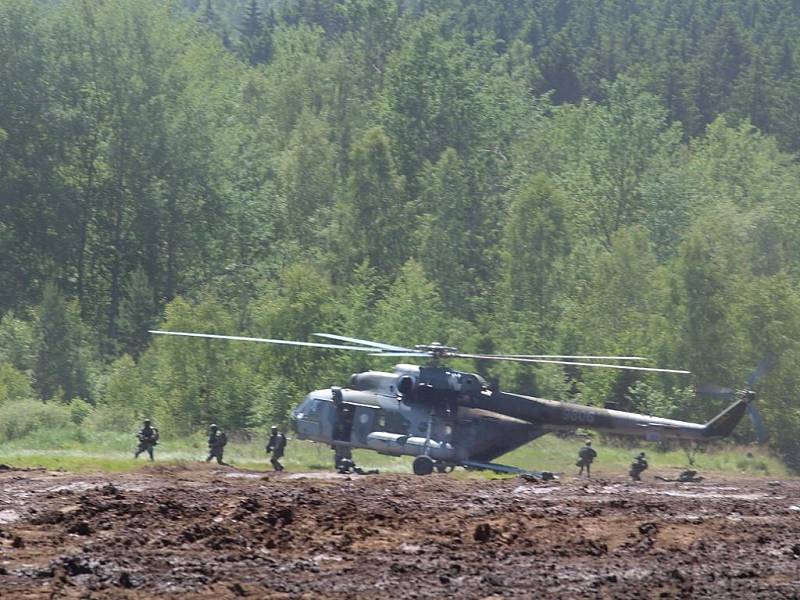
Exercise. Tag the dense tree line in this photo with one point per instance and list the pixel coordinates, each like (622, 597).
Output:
(530, 177)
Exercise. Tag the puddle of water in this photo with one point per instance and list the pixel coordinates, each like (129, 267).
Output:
(8, 516)
(326, 557)
(709, 494)
(524, 490)
(315, 475)
(78, 486)
(245, 475)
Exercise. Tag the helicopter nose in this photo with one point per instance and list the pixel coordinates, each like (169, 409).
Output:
(293, 423)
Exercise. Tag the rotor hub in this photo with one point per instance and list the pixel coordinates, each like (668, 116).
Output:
(436, 350)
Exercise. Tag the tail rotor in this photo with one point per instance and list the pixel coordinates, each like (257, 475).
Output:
(747, 395)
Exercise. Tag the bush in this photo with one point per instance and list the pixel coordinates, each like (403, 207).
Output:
(119, 419)
(79, 409)
(14, 385)
(21, 418)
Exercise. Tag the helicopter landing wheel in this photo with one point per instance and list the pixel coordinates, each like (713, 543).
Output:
(423, 465)
(443, 467)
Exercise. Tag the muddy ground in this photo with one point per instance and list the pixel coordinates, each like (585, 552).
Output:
(204, 532)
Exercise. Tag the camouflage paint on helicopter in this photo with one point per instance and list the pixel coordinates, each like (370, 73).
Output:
(447, 418)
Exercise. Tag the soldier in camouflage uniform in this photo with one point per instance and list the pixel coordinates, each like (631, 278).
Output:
(216, 444)
(638, 466)
(276, 445)
(148, 438)
(586, 457)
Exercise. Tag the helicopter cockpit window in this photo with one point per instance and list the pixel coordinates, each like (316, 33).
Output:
(310, 409)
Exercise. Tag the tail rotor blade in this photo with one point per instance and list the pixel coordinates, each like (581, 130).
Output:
(758, 423)
(762, 369)
(716, 391)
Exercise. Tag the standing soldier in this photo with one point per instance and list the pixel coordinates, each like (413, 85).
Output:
(638, 466)
(276, 445)
(216, 444)
(148, 438)
(586, 456)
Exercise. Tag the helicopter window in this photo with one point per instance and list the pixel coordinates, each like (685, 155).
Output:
(311, 409)
(395, 423)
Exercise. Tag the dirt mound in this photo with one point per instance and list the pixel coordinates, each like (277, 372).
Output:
(200, 533)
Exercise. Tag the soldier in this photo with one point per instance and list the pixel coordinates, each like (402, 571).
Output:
(586, 456)
(638, 466)
(689, 476)
(340, 453)
(216, 444)
(347, 466)
(148, 438)
(276, 445)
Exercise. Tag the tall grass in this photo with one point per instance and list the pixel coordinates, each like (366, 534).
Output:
(74, 448)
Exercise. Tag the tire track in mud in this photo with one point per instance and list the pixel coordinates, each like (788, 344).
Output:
(204, 532)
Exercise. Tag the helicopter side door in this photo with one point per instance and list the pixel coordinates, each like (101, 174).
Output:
(344, 416)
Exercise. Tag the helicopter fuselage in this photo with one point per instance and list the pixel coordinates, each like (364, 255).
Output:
(456, 419)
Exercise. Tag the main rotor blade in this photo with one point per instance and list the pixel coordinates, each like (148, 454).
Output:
(565, 362)
(262, 340)
(403, 354)
(582, 357)
(374, 345)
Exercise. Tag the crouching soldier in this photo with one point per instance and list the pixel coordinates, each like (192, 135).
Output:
(148, 438)
(276, 445)
(216, 444)
(638, 466)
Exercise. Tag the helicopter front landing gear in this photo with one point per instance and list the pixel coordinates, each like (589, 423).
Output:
(423, 465)
(443, 467)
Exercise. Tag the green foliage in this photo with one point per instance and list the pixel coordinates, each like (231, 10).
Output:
(559, 177)
(21, 418)
(17, 342)
(14, 385)
(138, 311)
(374, 217)
(454, 260)
(61, 361)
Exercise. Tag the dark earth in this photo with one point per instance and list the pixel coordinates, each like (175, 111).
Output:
(194, 531)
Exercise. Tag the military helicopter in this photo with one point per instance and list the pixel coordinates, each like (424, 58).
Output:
(447, 418)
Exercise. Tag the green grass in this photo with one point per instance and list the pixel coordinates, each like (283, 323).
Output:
(556, 454)
(113, 452)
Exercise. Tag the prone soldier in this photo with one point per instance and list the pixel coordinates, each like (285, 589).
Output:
(347, 466)
(216, 444)
(276, 445)
(148, 438)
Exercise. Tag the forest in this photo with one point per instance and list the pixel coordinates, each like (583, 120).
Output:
(558, 176)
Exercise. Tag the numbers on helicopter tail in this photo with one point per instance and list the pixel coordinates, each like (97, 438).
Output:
(575, 416)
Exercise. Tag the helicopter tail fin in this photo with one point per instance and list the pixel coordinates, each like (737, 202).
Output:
(724, 422)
